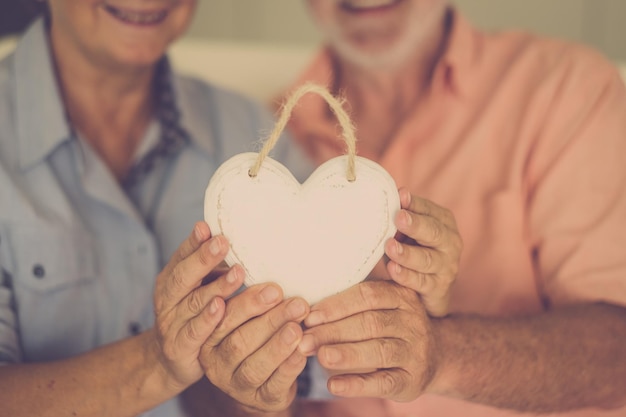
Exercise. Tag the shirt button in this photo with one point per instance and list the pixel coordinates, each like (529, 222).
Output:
(134, 328)
(39, 271)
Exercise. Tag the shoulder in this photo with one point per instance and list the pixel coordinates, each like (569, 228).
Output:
(209, 94)
(549, 60)
(233, 123)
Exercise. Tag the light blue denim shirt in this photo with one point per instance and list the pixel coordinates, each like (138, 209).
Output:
(78, 255)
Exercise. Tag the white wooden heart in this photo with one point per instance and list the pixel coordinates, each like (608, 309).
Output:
(313, 239)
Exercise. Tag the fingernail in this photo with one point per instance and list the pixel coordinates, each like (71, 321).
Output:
(332, 355)
(407, 198)
(214, 306)
(314, 318)
(399, 248)
(197, 231)
(232, 275)
(307, 344)
(288, 335)
(407, 218)
(337, 386)
(398, 268)
(296, 308)
(269, 294)
(215, 246)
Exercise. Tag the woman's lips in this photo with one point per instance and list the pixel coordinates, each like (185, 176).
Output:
(359, 6)
(136, 17)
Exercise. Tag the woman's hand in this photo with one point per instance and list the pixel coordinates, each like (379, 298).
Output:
(187, 312)
(425, 254)
(252, 355)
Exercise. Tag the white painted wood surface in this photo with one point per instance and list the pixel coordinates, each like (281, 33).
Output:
(314, 239)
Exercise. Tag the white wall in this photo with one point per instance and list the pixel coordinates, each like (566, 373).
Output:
(600, 23)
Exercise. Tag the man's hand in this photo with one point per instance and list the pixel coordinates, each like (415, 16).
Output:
(252, 355)
(425, 254)
(186, 311)
(376, 340)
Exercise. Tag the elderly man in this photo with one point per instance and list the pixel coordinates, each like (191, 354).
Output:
(523, 139)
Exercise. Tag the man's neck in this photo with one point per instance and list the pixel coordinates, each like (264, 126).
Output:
(381, 99)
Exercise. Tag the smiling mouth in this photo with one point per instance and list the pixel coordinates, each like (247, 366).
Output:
(135, 17)
(357, 6)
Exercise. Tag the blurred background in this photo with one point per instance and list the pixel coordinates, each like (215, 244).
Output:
(600, 23)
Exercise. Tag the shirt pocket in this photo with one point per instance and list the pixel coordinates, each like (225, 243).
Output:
(54, 282)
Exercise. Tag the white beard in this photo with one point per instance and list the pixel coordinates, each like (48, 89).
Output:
(399, 52)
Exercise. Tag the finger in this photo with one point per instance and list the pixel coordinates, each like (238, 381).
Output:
(427, 208)
(224, 286)
(280, 389)
(258, 368)
(417, 281)
(405, 258)
(425, 230)
(200, 234)
(356, 328)
(387, 383)
(255, 333)
(188, 274)
(217, 272)
(195, 331)
(367, 295)
(433, 289)
(243, 307)
(381, 353)
(203, 310)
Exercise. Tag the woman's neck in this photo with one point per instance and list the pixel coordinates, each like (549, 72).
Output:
(110, 107)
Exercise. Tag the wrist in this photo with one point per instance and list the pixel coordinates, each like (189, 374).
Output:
(442, 381)
(157, 382)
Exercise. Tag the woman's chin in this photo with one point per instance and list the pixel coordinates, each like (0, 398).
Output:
(134, 59)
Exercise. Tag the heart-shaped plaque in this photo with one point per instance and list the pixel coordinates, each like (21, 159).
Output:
(313, 239)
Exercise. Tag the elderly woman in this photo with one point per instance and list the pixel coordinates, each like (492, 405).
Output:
(104, 158)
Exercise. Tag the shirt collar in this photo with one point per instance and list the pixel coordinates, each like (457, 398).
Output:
(198, 124)
(460, 55)
(179, 120)
(173, 136)
(41, 120)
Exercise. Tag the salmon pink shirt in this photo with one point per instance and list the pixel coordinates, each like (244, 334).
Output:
(524, 139)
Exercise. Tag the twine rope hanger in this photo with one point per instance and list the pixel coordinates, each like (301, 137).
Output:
(335, 105)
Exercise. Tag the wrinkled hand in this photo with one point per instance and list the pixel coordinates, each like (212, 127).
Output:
(376, 340)
(252, 355)
(425, 254)
(186, 311)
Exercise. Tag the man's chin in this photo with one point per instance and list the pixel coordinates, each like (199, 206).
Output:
(373, 59)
